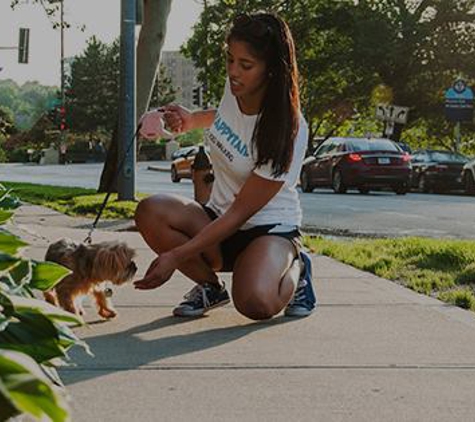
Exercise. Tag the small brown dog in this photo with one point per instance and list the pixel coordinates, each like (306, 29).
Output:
(91, 265)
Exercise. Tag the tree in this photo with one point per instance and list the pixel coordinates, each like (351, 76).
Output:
(417, 48)
(92, 88)
(27, 102)
(149, 47)
(151, 38)
(328, 78)
(163, 91)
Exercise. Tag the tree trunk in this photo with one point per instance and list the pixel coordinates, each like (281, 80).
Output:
(108, 180)
(149, 48)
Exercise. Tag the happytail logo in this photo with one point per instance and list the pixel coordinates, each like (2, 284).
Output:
(223, 128)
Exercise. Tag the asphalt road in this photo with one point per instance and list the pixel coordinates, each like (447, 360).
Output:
(378, 213)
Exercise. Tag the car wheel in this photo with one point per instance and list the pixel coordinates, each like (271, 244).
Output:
(337, 182)
(305, 182)
(174, 175)
(422, 185)
(364, 190)
(401, 189)
(469, 184)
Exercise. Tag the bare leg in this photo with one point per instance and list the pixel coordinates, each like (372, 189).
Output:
(168, 221)
(265, 277)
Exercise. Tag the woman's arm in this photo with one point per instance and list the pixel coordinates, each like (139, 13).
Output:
(181, 120)
(255, 194)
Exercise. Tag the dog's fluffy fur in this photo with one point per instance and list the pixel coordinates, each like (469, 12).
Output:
(91, 265)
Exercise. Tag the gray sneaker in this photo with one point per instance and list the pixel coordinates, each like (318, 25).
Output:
(201, 299)
(304, 301)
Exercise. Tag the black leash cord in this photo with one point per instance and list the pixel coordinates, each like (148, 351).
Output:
(88, 239)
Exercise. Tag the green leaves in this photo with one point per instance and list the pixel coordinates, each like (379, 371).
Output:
(24, 388)
(5, 216)
(45, 275)
(33, 334)
(10, 244)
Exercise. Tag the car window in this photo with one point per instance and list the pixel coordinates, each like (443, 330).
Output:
(373, 145)
(448, 156)
(321, 150)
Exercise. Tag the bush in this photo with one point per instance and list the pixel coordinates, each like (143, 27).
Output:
(33, 334)
(18, 155)
(463, 298)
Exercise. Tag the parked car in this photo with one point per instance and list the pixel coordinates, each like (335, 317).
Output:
(182, 160)
(468, 177)
(362, 163)
(437, 170)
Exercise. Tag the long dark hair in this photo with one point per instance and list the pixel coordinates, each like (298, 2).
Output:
(277, 124)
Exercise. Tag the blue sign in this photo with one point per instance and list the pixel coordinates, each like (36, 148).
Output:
(459, 102)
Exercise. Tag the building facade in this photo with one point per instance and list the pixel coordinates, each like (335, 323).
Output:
(183, 74)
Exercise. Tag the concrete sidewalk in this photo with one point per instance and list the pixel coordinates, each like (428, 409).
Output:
(373, 351)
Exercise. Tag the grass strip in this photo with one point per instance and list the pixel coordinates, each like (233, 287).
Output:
(441, 268)
(73, 201)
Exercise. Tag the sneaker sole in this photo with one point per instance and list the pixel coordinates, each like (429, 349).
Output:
(198, 312)
(298, 313)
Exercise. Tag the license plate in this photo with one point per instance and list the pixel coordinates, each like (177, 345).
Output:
(384, 160)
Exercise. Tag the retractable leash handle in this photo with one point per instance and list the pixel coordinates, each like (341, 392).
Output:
(153, 125)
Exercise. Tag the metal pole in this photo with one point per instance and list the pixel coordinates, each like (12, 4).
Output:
(62, 53)
(62, 140)
(457, 136)
(127, 118)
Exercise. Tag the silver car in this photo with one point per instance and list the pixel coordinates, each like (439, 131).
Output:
(468, 177)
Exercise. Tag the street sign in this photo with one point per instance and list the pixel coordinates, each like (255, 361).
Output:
(53, 103)
(459, 102)
(392, 113)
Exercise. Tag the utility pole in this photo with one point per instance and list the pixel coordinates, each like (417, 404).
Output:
(62, 128)
(127, 118)
(206, 90)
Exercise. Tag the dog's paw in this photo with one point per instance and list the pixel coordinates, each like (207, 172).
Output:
(107, 313)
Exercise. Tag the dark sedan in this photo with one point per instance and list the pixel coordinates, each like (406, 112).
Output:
(362, 163)
(437, 170)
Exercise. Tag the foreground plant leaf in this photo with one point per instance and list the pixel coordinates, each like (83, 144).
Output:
(27, 389)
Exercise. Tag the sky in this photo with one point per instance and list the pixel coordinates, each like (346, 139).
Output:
(102, 19)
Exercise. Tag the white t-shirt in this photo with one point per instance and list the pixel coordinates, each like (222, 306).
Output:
(229, 141)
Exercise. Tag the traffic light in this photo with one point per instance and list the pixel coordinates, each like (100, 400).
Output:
(62, 118)
(198, 96)
(57, 116)
(24, 45)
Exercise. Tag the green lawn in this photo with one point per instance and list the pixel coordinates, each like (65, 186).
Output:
(441, 268)
(73, 201)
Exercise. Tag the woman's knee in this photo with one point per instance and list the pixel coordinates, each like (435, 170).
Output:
(256, 306)
(150, 209)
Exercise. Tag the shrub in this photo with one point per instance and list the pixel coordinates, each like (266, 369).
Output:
(33, 333)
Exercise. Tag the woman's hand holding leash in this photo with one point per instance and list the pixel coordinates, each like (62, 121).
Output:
(158, 273)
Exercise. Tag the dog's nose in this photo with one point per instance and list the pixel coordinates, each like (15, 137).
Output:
(133, 266)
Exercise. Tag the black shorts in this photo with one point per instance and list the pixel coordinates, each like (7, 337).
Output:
(232, 246)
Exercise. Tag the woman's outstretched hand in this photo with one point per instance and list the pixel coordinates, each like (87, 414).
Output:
(158, 273)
